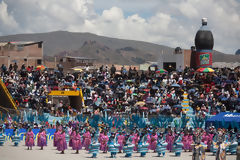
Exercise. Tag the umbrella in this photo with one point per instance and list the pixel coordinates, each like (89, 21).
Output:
(130, 81)
(175, 85)
(155, 87)
(140, 103)
(150, 100)
(77, 69)
(41, 67)
(144, 108)
(177, 106)
(153, 65)
(161, 71)
(205, 70)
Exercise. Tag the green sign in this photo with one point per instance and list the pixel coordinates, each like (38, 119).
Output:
(204, 59)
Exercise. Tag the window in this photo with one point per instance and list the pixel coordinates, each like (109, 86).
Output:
(39, 61)
(20, 47)
(40, 45)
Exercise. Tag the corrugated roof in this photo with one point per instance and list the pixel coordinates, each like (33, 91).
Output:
(18, 43)
(83, 58)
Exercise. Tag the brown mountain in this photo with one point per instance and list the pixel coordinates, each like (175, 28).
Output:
(103, 49)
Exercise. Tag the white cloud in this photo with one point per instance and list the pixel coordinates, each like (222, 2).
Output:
(170, 22)
(7, 21)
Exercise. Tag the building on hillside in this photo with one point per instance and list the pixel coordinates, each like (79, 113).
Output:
(69, 62)
(28, 53)
(178, 59)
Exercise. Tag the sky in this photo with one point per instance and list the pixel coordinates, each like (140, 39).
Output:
(166, 22)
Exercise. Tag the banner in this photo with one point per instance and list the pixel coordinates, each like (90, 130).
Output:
(204, 58)
(22, 132)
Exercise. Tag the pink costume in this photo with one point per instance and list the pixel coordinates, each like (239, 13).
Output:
(149, 141)
(190, 141)
(42, 141)
(100, 137)
(72, 135)
(76, 142)
(210, 140)
(205, 138)
(153, 143)
(56, 134)
(185, 142)
(29, 139)
(87, 140)
(61, 144)
(104, 142)
(135, 140)
(170, 140)
(120, 141)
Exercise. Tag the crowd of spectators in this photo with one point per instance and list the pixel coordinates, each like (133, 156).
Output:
(126, 91)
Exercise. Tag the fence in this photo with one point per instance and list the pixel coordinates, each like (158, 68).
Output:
(120, 121)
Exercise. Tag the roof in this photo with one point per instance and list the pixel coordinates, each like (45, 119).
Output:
(81, 58)
(25, 43)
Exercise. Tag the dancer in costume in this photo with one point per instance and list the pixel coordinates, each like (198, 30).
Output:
(120, 139)
(42, 139)
(87, 139)
(221, 145)
(76, 141)
(72, 135)
(104, 142)
(29, 139)
(153, 143)
(62, 144)
(55, 137)
(161, 145)
(170, 140)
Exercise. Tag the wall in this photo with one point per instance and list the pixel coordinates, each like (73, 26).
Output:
(26, 54)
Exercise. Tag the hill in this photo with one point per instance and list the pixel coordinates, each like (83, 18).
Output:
(103, 49)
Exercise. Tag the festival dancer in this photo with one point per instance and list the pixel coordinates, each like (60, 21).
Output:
(42, 140)
(62, 144)
(170, 140)
(87, 139)
(120, 139)
(189, 142)
(221, 145)
(72, 135)
(185, 141)
(29, 139)
(153, 143)
(76, 141)
(135, 139)
(104, 142)
(55, 137)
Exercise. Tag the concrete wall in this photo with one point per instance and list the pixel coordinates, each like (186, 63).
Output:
(171, 57)
(28, 54)
(187, 57)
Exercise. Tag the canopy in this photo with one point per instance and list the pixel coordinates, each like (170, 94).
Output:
(224, 120)
(162, 71)
(41, 67)
(205, 70)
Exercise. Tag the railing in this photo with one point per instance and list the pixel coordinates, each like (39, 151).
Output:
(8, 95)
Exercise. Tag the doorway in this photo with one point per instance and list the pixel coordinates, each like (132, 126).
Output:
(169, 66)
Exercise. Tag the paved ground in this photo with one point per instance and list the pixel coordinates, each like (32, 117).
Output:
(9, 152)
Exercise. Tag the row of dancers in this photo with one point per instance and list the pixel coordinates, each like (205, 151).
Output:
(80, 138)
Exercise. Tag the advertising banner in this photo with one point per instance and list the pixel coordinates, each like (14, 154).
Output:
(204, 58)
(22, 132)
